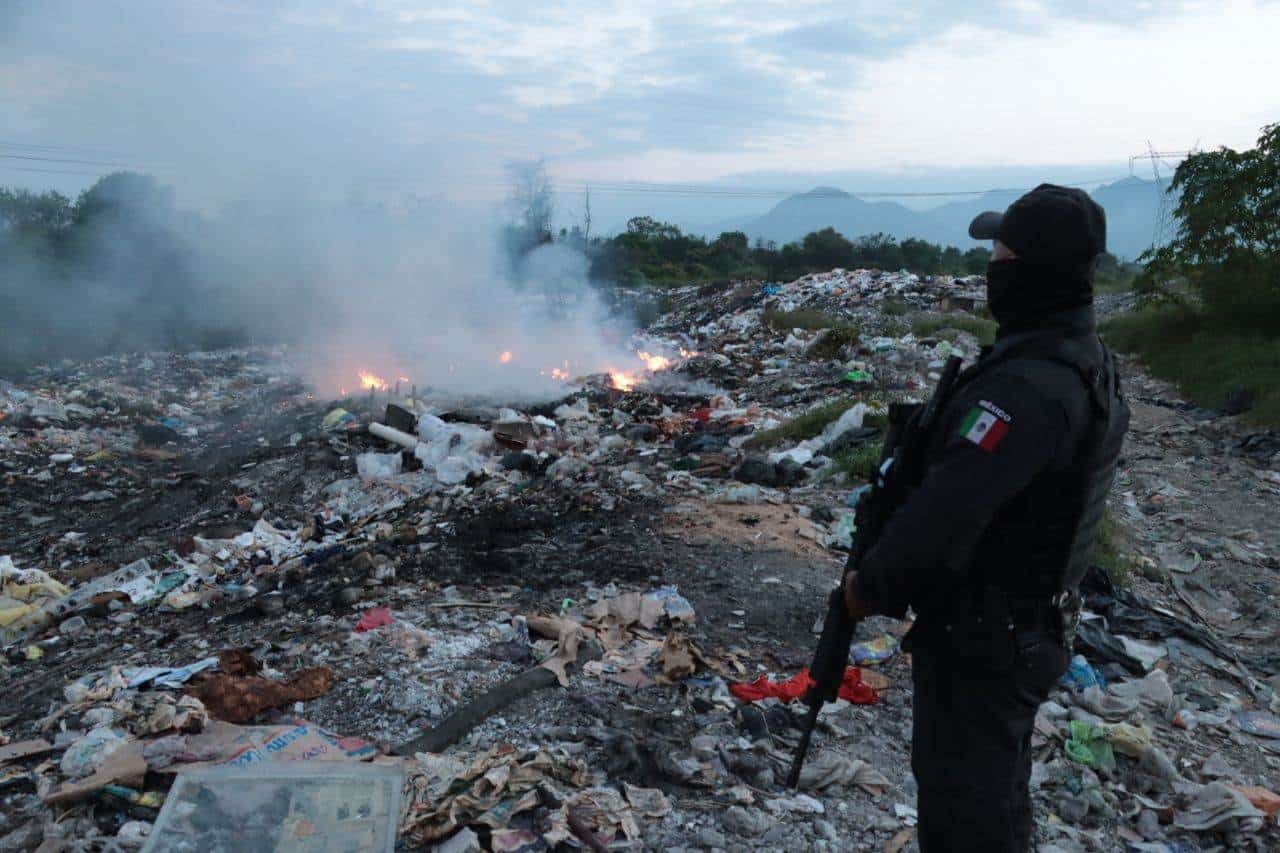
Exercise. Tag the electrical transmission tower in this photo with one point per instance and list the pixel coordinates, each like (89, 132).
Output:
(1162, 232)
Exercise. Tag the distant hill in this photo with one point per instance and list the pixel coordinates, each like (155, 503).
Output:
(1131, 205)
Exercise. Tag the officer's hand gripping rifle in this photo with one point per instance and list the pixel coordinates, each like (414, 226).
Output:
(831, 658)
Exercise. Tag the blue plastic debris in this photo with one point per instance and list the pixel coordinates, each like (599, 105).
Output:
(1080, 675)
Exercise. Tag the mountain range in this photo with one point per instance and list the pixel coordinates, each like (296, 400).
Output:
(1132, 206)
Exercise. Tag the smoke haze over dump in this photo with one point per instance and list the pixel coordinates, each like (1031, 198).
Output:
(423, 293)
(267, 118)
(295, 201)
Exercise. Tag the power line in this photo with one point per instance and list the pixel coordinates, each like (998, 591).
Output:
(77, 150)
(730, 192)
(67, 160)
(617, 188)
(50, 171)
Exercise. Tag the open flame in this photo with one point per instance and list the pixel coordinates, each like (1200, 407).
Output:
(372, 382)
(622, 381)
(654, 362)
(625, 380)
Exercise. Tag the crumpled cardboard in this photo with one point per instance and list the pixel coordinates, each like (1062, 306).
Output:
(240, 698)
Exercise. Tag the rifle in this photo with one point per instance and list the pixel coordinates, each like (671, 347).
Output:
(907, 423)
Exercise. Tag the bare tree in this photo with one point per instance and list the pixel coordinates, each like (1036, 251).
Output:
(532, 199)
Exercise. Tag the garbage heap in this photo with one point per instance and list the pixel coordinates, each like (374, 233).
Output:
(235, 614)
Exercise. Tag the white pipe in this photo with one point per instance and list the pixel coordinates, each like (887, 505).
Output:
(394, 436)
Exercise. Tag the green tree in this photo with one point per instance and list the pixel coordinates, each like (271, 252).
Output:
(827, 249)
(878, 251)
(22, 211)
(976, 260)
(33, 224)
(921, 256)
(1228, 241)
(123, 195)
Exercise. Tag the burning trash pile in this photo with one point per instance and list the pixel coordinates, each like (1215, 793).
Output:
(234, 610)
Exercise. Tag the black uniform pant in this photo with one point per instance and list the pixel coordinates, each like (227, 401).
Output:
(974, 708)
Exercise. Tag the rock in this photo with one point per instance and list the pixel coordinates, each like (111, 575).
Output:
(73, 626)
(133, 834)
(349, 595)
(848, 440)
(753, 722)
(271, 604)
(748, 822)
(701, 442)
(709, 837)
(518, 460)
(788, 472)
(157, 435)
(1073, 809)
(636, 480)
(776, 836)
(757, 471)
(826, 830)
(1217, 767)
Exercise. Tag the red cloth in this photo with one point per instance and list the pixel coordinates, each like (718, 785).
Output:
(851, 688)
(374, 618)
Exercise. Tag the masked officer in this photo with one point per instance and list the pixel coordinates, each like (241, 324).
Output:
(991, 537)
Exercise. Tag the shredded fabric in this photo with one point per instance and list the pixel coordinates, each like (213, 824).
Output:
(852, 688)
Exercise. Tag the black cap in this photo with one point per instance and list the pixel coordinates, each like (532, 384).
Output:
(1050, 223)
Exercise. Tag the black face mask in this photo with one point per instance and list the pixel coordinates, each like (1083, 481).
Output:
(1019, 291)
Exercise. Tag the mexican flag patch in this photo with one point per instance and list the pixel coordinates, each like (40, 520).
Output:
(985, 428)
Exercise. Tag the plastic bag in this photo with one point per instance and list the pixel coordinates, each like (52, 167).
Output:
(378, 466)
(87, 754)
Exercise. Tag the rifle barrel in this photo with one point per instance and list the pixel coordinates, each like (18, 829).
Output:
(810, 722)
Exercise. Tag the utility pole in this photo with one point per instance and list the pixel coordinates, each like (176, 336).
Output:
(1163, 226)
(586, 220)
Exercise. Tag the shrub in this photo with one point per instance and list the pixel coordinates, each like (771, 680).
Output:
(802, 426)
(831, 343)
(1206, 361)
(861, 462)
(934, 325)
(893, 308)
(801, 318)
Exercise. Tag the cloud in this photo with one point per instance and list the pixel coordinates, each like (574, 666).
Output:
(335, 96)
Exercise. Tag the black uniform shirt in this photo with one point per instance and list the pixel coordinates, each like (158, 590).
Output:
(1001, 429)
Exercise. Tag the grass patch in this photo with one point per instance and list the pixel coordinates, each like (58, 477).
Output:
(1106, 551)
(894, 327)
(833, 341)
(1206, 361)
(802, 426)
(880, 420)
(801, 318)
(893, 308)
(861, 462)
(937, 325)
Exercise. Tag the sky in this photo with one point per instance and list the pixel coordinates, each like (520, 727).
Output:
(379, 98)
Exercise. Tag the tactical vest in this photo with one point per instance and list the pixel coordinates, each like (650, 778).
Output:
(1038, 544)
